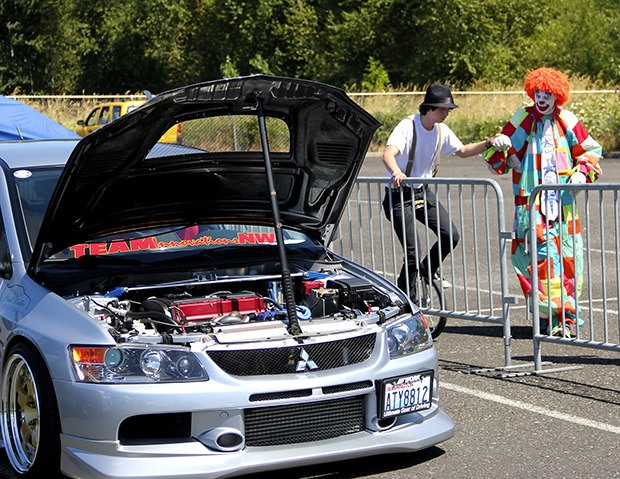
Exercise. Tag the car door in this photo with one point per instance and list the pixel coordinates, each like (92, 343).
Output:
(105, 116)
(90, 124)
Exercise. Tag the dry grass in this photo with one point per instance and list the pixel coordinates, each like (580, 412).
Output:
(482, 111)
(65, 111)
(485, 108)
(473, 105)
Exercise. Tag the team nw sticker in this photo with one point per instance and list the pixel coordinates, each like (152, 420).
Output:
(153, 243)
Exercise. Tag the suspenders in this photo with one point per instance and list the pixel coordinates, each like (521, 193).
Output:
(412, 150)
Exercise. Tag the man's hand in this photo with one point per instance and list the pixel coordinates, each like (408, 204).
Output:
(389, 160)
(398, 177)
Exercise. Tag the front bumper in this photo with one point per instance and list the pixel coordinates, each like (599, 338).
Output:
(98, 460)
(92, 415)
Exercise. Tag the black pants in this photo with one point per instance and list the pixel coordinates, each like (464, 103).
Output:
(427, 210)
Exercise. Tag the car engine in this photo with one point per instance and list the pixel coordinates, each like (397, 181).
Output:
(183, 312)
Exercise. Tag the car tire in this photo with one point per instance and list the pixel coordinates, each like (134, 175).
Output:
(29, 415)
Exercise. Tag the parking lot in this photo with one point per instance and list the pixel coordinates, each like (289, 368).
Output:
(557, 425)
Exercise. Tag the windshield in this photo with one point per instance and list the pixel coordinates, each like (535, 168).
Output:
(34, 188)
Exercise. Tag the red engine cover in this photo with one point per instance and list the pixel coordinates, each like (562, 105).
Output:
(214, 306)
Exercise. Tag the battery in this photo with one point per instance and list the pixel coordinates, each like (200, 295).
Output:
(323, 302)
(354, 292)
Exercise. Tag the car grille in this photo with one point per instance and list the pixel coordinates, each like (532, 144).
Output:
(300, 393)
(298, 423)
(299, 358)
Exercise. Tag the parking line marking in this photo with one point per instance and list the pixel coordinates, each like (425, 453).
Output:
(531, 408)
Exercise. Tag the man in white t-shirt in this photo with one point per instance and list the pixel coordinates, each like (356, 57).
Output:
(432, 140)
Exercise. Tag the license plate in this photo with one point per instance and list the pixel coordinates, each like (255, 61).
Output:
(406, 394)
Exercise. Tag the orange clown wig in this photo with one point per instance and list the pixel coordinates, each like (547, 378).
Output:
(549, 80)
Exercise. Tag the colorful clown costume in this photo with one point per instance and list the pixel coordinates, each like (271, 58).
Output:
(548, 148)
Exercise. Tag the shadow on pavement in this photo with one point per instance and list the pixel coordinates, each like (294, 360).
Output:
(357, 468)
(554, 384)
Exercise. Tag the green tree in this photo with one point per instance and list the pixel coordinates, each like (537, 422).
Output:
(25, 29)
(375, 77)
(263, 36)
(72, 46)
(235, 32)
(580, 37)
(138, 45)
(456, 42)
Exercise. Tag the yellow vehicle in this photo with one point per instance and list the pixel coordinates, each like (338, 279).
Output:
(107, 112)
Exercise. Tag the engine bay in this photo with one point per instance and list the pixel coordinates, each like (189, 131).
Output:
(253, 306)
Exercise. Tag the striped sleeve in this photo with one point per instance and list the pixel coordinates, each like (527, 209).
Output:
(514, 129)
(585, 150)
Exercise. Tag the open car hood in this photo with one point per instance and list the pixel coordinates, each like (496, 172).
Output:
(119, 178)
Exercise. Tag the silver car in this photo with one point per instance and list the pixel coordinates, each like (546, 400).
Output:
(174, 310)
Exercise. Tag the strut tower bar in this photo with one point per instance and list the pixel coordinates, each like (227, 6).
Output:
(287, 283)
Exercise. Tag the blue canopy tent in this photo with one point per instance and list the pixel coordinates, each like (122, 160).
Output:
(21, 122)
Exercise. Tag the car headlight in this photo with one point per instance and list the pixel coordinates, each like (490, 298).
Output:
(134, 364)
(407, 336)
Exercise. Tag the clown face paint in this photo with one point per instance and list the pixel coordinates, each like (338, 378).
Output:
(545, 101)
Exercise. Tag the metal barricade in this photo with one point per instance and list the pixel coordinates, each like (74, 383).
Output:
(476, 267)
(597, 308)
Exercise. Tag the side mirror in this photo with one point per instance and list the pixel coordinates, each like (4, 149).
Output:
(80, 122)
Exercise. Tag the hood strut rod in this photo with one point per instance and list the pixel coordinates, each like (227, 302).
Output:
(287, 283)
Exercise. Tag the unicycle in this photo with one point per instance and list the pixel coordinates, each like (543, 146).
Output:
(430, 297)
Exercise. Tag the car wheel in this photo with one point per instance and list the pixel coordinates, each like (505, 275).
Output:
(30, 419)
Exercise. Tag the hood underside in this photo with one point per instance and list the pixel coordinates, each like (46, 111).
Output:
(120, 178)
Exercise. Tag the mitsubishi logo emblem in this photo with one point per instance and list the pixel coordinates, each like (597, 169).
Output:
(305, 363)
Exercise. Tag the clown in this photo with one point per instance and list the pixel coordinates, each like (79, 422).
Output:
(547, 144)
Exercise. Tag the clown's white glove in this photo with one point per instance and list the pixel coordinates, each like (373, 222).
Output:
(501, 142)
(578, 178)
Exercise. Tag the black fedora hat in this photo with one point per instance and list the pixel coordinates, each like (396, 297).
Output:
(439, 95)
